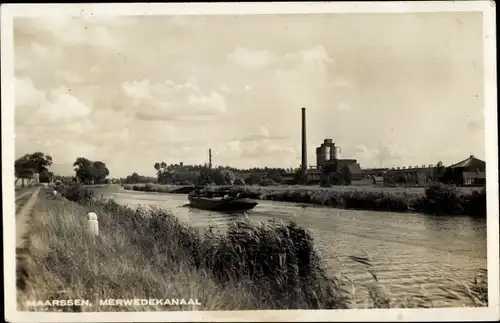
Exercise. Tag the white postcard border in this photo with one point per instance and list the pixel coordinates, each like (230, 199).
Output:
(9, 11)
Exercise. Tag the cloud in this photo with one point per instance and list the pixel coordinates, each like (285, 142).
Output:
(63, 151)
(387, 154)
(315, 55)
(307, 69)
(77, 31)
(263, 134)
(70, 76)
(254, 149)
(225, 88)
(26, 94)
(391, 152)
(360, 149)
(211, 103)
(171, 101)
(261, 144)
(251, 59)
(58, 106)
(33, 55)
(341, 82)
(475, 126)
(342, 106)
(152, 132)
(137, 90)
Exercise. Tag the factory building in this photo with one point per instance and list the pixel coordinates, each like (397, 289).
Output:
(471, 171)
(325, 152)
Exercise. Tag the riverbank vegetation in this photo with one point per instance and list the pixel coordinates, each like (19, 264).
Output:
(438, 199)
(149, 253)
(269, 266)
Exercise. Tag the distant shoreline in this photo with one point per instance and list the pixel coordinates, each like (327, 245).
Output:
(442, 199)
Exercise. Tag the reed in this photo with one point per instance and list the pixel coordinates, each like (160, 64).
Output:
(149, 253)
(435, 199)
(146, 253)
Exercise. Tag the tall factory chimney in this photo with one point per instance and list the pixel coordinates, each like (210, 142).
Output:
(304, 140)
(210, 158)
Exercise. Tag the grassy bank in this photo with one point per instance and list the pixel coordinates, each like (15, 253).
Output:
(151, 187)
(150, 254)
(435, 199)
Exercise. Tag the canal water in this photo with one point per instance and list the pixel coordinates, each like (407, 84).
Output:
(411, 254)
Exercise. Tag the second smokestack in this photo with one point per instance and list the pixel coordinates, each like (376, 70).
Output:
(304, 140)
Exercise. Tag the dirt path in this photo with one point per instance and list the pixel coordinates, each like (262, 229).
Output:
(23, 194)
(23, 215)
(24, 207)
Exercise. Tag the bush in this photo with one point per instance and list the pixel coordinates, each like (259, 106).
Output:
(276, 262)
(279, 260)
(75, 192)
(475, 203)
(442, 198)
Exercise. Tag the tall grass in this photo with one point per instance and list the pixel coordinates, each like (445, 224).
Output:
(437, 199)
(143, 253)
(149, 253)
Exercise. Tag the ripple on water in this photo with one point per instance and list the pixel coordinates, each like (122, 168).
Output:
(411, 254)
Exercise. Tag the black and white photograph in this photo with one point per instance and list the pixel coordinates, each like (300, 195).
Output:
(235, 161)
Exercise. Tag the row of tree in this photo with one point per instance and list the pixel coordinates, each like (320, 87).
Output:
(86, 171)
(197, 168)
(90, 172)
(28, 165)
(137, 179)
(186, 174)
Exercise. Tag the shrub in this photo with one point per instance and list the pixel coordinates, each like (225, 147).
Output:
(442, 198)
(279, 260)
(276, 262)
(475, 203)
(75, 192)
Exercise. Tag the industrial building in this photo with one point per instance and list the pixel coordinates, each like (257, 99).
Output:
(415, 175)
(471, 171)
(326, 154)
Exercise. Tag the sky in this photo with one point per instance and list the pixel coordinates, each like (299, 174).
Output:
(389, 89)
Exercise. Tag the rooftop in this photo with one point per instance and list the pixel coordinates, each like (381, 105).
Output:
(471, 162)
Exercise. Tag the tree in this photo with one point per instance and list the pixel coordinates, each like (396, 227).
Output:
(228, 176)
(135, 178)
(346, 175)
(214, 176)
(253, 179)
(162, 172)
(336, 178)
(45, 176)
(300, 176)
(275, 176)
(89, 171)
(439, 171)
(330, 168)
(101, 171)
(26, 166)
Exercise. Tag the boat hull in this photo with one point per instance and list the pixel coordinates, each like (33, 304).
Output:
(242, 204)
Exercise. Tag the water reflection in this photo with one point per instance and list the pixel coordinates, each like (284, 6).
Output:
(408, 252)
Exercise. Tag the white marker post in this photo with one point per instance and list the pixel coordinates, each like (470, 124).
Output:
(93, 226)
